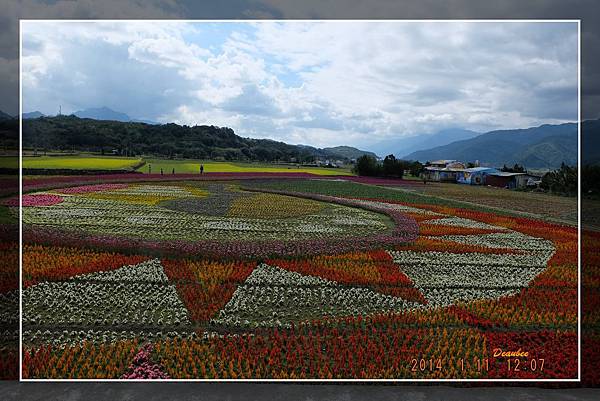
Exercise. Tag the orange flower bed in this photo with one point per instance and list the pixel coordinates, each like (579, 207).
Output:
(375, 269)
(88, 360)
(50, 263)
(441, 245)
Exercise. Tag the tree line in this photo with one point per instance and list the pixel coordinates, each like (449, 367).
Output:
(166, 140)
(390, 167)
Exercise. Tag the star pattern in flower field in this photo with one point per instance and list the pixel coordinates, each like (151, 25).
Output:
(143, 300)
(272, 296)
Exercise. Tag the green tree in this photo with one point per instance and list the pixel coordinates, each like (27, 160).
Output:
(416, 168)
(562, 181)
(393, 167)
(366, 165)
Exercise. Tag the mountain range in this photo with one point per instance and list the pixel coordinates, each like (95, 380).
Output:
(32, 114)
(546, 146)
(340, 152)
(96, 113)
(590, 142)
(404, 146)
(4, 116)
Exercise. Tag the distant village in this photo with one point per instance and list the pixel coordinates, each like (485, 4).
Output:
(457, 172)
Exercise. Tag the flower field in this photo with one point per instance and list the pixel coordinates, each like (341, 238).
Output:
(243, 279)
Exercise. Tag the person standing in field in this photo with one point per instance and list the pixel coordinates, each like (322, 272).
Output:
(173, 170)
(202, 169)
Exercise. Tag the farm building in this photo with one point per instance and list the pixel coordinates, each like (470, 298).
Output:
(475, 175)
(442, 174)
(509, 180)
(446, 164)
(443, 170)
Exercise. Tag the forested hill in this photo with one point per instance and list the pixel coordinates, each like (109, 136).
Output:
(546, 146)
(135, 138)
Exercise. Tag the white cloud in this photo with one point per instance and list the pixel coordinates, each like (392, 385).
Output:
(321, 83)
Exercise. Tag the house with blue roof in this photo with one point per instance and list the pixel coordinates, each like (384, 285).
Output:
(475, 175)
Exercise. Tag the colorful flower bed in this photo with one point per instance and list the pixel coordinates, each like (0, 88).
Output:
(280, 283)
(47, 263)
(134, 213)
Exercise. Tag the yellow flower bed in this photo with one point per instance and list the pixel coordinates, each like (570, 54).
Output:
(148, 195)
(273, 206)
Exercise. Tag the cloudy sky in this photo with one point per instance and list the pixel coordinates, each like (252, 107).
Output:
(319, 83)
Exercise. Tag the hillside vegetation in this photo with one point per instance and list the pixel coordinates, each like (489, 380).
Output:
(546, 146)
(167, 140)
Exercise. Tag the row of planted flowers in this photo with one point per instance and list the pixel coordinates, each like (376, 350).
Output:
(350, 348)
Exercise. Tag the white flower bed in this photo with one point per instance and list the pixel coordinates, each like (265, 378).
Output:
(152, 190)
(137, 296)
(472, 275)
(434, 258)
(9, 308)
(445, 278)
(511, 239)
(394, 206)
(150, 270)
(462, 222)
(272, 296)
(73, 337)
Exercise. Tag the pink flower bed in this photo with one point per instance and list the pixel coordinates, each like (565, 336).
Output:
(92, 188)
(143, 368)
(35, 200)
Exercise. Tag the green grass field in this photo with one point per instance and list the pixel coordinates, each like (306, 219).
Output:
(193, 166)
(9, 162)
(90, 162)
(80, 162)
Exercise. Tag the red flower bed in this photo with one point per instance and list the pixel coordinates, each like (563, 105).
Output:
(557, 349)
(206, 286)
(9, 266)
(352, 349)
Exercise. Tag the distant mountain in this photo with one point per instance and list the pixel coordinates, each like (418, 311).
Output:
(32, 114)
(545, 146)
(136, 120)
(590, 142)
(102, 113)
(107, 114)
(347, 152)
(4, 116)
(403, 146)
